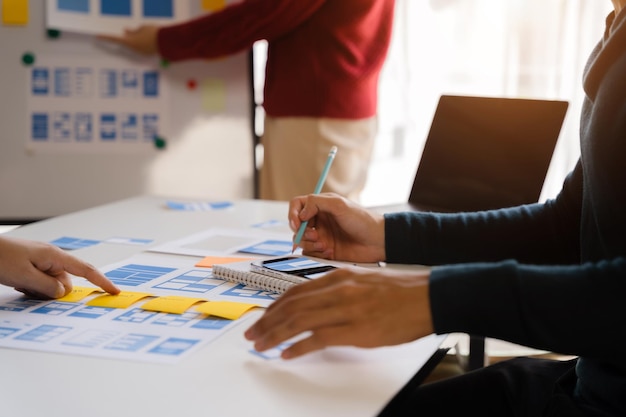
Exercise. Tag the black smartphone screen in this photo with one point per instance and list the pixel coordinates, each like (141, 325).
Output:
(297, 265)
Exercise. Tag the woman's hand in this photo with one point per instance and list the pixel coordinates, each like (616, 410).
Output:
(42, 270)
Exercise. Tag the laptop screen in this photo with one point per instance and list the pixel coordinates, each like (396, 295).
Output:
(487, 152)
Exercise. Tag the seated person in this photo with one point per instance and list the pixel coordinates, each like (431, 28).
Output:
(551, 276)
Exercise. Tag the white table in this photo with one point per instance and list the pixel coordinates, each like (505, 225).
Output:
(223, 378)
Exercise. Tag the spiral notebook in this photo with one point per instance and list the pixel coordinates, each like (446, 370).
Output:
(242, 273)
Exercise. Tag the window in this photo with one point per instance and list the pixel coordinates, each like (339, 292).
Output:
(516, 48)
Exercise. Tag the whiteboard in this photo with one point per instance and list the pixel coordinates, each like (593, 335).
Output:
(208, 152)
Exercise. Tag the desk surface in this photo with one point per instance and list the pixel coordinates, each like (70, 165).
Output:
(223, 378)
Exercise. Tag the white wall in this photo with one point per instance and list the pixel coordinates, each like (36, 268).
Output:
(208, 153)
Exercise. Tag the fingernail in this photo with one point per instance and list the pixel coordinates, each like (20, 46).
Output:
(61, 291)
(249, 334)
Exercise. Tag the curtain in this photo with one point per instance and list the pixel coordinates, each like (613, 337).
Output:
(512, 48)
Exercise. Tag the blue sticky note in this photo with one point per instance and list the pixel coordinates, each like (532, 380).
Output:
(158, 8)
(116, 7)
(198, 205)
(270, 248)
(79, 6)
(71, 243)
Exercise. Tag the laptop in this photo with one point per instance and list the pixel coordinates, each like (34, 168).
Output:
(485, 153)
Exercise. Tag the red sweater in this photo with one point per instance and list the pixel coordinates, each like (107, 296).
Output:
(324, 56)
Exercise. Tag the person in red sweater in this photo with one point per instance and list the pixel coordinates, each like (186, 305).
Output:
(321, 82)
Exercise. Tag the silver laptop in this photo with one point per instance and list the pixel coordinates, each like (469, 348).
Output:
(485, 152)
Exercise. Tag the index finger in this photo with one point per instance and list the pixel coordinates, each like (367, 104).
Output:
(295, 207)
(83, 269)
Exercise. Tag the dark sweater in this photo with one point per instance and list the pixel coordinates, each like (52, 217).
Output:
(550, 276)
(324, 56)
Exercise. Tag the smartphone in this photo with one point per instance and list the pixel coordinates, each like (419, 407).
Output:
(299, 266)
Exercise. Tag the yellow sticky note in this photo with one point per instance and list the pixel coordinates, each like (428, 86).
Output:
(213, 94)
(213, 5)
(78, 293)
(174, 304)
(122, 300)
(226, 309)
(209, 261)
(15, 12)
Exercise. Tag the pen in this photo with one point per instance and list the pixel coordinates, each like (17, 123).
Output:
(318, 189)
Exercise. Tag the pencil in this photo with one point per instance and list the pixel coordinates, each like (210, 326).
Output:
(318, 189)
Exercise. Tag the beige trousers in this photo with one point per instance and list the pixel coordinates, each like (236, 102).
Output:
(296, 148)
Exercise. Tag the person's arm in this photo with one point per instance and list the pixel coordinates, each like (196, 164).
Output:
(230, 30)
(535, 234)
(569, 309)
(42, 270)
(516, 274)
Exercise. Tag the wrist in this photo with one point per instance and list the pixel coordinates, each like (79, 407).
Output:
(379, 238)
